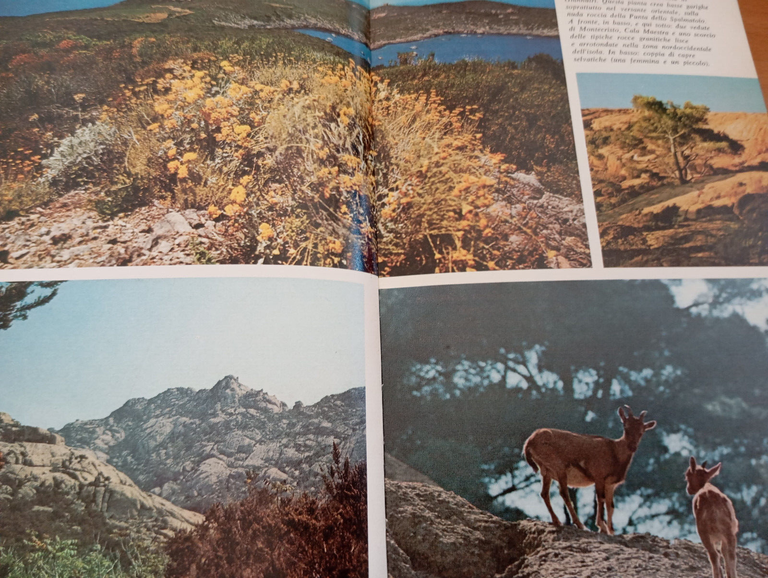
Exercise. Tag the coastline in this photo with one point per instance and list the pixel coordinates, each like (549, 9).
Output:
(500, 31)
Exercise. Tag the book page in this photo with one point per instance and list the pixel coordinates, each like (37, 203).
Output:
(190, 381)
(687, 194)
(595, 420)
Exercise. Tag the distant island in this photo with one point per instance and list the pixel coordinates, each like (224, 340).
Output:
(395, 24)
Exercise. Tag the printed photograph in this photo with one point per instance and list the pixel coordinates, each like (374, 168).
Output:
(679, 169)
(475, 163)
(232, 132)
(182, 428)
(151, 133)
(580, 428)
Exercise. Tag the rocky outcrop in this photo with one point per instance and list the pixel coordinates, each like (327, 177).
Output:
(44, 483)
(69, 233)
(434, 533)
(196, 448)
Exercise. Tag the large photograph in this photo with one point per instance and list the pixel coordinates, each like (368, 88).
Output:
(182, 428)
(151, 133)
(679, 168)
(577, 428)
(256, 132)
(475, 160)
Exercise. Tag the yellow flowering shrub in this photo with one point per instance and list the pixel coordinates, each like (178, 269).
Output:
(277, 150)
(436, 190)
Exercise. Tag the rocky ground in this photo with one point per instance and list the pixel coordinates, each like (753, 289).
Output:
(434, 533)
(195, 448)
(43, 482)
(70, 233)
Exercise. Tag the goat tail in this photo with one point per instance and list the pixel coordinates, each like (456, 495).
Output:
(529, 457)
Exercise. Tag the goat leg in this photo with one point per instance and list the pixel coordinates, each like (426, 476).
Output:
(562, 481)
(714, 558)
(600, 496)
(546, 482)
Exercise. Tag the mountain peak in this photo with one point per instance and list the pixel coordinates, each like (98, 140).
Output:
(230, 383)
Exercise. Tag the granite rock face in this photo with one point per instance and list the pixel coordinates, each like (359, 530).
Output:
(197, 448)
(55, 483)
(434, 533)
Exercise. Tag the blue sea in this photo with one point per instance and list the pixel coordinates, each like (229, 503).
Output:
(452, 47)
(27, 7)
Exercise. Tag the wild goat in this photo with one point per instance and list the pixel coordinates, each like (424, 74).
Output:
(716, 520)
(578, 461)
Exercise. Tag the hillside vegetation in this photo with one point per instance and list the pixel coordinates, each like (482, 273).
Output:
(715, 215)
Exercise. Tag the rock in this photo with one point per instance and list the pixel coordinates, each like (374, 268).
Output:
(163, 247)
(435, 533)
(197, 447)
(19, 254)
(56, 482)
(170, 225)
(59, 234)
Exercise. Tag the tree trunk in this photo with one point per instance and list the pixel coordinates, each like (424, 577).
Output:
(675, 155)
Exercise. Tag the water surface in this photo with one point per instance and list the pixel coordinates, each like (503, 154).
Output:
(27, 7)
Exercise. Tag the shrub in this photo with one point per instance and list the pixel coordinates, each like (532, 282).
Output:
(86, 156)
(59, 558)
(278, 534)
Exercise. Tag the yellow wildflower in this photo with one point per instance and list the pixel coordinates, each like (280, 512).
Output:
(265, 232)
(189, 157)
(183, 172)
(238, 194)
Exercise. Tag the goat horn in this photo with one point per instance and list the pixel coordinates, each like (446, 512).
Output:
(704, 464)
(642, 414)
(629, 411)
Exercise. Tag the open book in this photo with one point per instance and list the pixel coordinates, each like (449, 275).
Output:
(337, 288)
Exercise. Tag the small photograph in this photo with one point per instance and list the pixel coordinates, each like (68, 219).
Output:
(581, 428)
(196, 132)
(475, 162)
(181, 428)
(679, 168)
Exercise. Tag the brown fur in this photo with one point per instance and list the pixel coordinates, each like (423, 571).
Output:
(716, 520)
(578, 460)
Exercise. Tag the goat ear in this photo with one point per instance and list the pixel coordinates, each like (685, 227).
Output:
(713, 471)
(692, 463)
(650, 425)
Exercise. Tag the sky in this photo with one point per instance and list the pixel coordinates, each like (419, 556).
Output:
(720, 94)
(99, 343)
(27, 7)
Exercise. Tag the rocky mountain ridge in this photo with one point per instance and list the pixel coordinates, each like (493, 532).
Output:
(46, 486)
(196, 448)
(434, 533)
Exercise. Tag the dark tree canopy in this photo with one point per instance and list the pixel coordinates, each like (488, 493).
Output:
(18, 299)
(471, 371)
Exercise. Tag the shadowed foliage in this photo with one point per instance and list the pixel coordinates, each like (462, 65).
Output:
(279, 534)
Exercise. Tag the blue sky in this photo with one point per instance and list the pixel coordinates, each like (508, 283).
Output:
(100, 343)
(26, 7)
(720, 94)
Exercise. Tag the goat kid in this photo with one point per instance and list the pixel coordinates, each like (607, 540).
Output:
(716, 520)
(579, 460)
